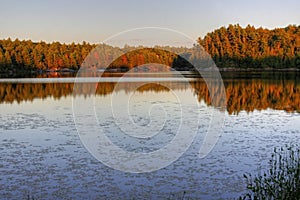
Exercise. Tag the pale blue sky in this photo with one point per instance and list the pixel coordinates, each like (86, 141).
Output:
(96, 20)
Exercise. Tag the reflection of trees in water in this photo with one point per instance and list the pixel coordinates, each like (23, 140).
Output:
(262, 94)
(10, 92)
(246, 94)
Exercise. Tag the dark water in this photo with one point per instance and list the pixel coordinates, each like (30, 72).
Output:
(42, 154)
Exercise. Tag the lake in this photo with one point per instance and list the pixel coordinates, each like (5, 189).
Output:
(44, 156)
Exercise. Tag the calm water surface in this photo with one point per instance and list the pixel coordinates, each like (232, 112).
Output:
(42, 155)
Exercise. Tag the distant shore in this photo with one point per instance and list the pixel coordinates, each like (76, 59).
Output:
(72, 73)
(258, 69)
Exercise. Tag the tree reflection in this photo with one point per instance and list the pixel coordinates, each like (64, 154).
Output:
(242, 94)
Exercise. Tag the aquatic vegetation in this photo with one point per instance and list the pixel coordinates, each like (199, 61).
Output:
(281, 181)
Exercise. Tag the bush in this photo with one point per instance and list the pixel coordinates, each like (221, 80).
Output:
(281, 181)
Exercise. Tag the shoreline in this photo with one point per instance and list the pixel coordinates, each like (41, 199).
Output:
(71, 73)
(259, 70)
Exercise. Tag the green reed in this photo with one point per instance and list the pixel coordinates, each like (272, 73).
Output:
(281, 180)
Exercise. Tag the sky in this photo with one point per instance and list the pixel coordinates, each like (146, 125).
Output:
(94, 21)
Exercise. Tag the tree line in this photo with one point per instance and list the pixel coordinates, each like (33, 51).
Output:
(27, 55)
(231, 47)
(249, 47)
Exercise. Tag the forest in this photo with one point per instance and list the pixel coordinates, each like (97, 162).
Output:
(231, 47)
(249, 47)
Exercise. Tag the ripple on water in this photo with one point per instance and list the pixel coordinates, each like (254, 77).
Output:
(43, 156)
